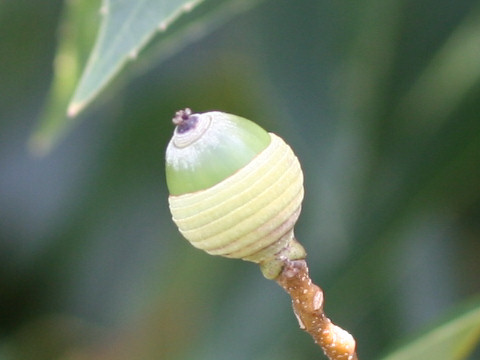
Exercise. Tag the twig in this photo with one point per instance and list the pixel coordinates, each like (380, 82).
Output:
(307, 301)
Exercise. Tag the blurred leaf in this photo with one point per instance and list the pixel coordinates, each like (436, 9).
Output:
(453, 339)
(447, 79)
(126, 28)
(77, 32)
(114, 48)
(206, 20)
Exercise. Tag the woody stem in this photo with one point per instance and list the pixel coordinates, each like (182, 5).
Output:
(307, 301)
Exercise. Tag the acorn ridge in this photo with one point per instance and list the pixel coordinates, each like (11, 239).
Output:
(248, 213)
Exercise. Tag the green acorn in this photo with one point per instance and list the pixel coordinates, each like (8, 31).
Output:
(235, 190)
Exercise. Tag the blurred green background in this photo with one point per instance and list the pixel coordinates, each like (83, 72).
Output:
(380, 101)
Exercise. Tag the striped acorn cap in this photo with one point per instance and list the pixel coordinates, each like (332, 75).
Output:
(235, 190)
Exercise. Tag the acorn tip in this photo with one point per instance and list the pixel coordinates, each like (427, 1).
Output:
(181, 116)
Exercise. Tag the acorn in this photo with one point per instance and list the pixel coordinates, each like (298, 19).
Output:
(235, 189)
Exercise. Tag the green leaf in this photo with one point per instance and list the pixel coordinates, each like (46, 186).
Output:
(114, 48)
(451, 340)
(127, 27)
(76, 32)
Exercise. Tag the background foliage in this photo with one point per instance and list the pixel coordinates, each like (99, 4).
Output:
(379, 99)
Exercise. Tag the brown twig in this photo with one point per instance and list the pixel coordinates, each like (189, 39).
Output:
(307, 300)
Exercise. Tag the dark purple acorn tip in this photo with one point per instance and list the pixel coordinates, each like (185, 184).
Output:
(184, 120)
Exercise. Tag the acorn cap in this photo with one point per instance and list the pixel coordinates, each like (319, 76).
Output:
(208, 148)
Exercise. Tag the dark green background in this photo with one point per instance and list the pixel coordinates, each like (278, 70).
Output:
(90, 262)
